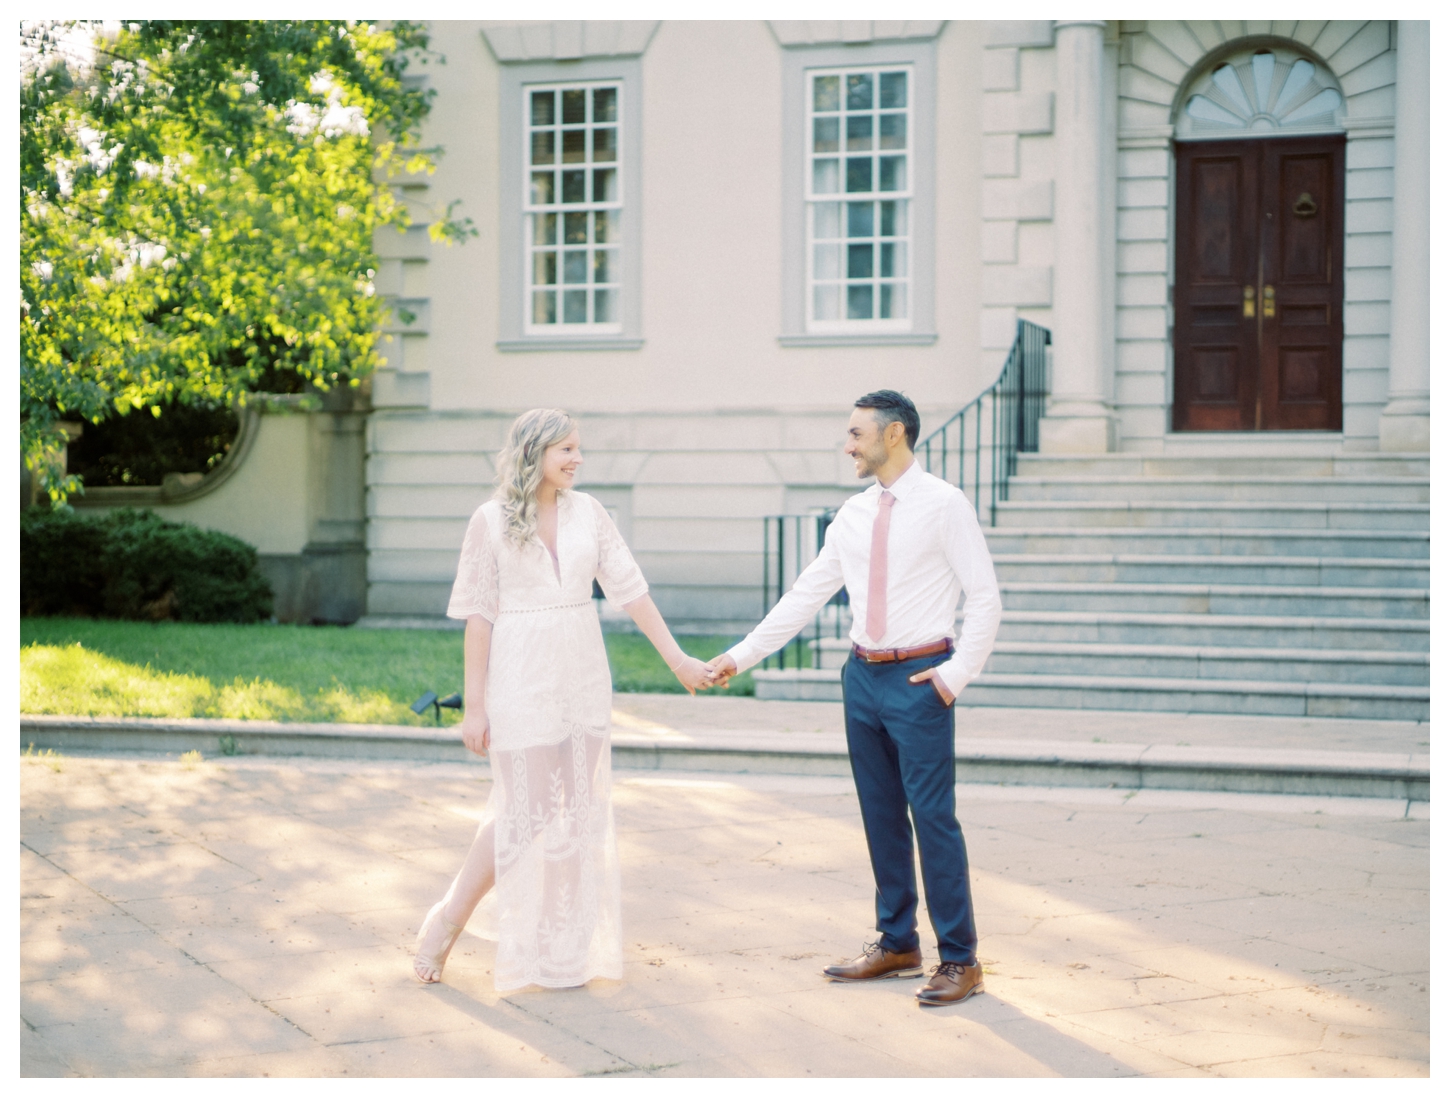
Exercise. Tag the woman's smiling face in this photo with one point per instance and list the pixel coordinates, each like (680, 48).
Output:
(561, 462)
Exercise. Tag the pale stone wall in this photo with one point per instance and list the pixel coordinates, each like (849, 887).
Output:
(265, 501)
(1018, 190)
(712, 423)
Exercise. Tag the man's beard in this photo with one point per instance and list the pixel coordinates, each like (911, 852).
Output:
(873, 461)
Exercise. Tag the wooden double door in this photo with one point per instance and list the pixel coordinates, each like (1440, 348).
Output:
(1258, 297)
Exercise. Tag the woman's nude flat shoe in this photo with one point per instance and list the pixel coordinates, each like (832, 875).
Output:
(432, 964)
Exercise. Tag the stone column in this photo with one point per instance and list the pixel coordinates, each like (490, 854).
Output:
(1405, 422)
(1078, 418)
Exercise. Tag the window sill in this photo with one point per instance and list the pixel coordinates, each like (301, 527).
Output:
(577, 343)
(864, 339)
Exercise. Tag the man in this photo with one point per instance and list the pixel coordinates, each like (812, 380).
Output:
(906, 549)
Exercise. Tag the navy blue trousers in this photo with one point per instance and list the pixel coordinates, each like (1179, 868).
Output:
(902, 741)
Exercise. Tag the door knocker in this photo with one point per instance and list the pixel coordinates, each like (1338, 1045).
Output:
(1304, 206)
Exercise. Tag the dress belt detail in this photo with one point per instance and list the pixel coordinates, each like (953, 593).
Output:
(541, 609)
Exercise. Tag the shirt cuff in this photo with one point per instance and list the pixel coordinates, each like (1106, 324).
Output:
(744, 656)
(954, 674)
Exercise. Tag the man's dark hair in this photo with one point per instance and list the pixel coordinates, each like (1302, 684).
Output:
(893, 407)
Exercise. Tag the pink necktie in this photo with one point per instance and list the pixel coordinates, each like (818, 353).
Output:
(876, 585)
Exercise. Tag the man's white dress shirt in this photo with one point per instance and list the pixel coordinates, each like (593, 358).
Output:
(935, 552)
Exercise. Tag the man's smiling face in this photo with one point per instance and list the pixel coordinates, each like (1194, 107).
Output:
(864, 442)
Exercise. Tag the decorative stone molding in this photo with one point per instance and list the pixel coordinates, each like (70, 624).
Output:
(419, 308)
(849, 32)
(1000, 69)
(412, 243)
(1013, 200)
(1014, 113)
(878, 339)
(566, 343)
(569, 39)
(1017, 112)
(1022, 286)
(1405, 420)
(1254, 90)
(1027, 33)
(396, 389)
(1162, 58)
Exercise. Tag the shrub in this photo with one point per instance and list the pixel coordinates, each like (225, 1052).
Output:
(134, 564)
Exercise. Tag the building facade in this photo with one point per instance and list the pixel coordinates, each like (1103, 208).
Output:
(706, 239)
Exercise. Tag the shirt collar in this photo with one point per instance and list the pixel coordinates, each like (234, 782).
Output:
(904, 484)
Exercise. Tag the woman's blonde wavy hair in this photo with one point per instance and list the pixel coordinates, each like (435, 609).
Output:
(521, 468)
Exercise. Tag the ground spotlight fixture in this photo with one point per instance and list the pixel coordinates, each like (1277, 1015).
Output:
(453, 701)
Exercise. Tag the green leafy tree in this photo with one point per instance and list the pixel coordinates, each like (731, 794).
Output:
(198, 202)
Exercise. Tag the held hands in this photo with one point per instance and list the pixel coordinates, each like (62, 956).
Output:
(722, 669)
(697, 675)
(475, 731)
(946, 696)
(693, 674)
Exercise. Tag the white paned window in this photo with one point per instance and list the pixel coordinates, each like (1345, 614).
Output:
(573, 206)
(858, 193)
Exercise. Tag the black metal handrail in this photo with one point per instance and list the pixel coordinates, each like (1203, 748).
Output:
(1012, 407)
(1009, 409)
(791, 543)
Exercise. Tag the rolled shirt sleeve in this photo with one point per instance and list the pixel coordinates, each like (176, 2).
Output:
(813, 588)
(966, 552)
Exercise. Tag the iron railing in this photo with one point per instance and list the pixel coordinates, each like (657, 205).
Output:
(791, 543)
(1010, 409)
(976, 450)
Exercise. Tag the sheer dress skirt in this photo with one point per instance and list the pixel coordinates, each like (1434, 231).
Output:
(555, 909)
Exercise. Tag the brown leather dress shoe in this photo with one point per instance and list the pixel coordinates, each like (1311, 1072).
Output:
(877, 963)
(950, 983)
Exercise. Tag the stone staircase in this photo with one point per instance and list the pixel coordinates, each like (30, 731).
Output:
(1285, 585)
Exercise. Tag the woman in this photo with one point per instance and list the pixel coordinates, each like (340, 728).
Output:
(537, 697)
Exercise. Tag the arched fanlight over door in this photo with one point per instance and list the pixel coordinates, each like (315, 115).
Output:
(1264, 93)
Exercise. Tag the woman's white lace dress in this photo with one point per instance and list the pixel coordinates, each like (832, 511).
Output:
(555, 906)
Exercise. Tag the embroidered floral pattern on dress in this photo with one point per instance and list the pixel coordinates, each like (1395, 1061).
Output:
(555, 906)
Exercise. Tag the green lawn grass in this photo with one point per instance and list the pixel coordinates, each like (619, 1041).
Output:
(276, 672)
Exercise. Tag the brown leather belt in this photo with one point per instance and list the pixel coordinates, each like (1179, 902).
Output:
(896, 655)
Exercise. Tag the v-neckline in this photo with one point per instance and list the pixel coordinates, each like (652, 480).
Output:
(554, 552)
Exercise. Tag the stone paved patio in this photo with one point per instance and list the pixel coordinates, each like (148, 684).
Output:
(255, 917)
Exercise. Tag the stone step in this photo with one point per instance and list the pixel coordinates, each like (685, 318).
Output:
(1198, 541)
(1216, 514)
(1187, 662)
(1181, 489)
(1289, 699)
(1169, 465)
(1184, 662)
(1121, 766)
(1216, 630)
(1166, 568)
(1286, 699)
(1198, 598)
